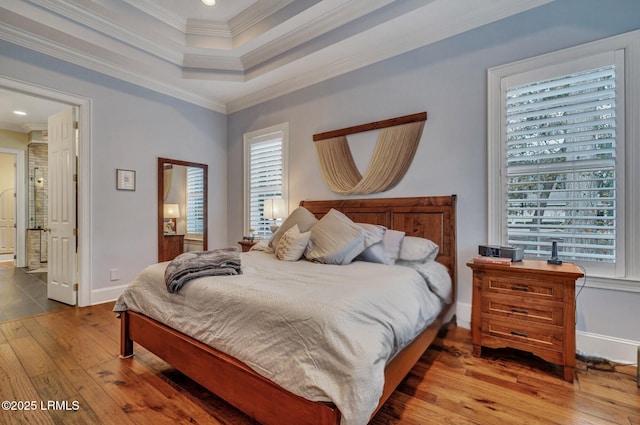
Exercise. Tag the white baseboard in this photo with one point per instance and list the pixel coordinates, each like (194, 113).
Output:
(587, 344)
(607, 347)
(99, 296)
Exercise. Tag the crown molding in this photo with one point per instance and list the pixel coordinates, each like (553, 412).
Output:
(309, 29)
(299, 30)
(255, 14)
(208, 29)
(151, 8)
(213, 62)
(413, 31)
(93, 20)
(244, 21)
(80, 58)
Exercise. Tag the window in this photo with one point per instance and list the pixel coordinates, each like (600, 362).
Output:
(561, 170)
(265, 153)
(195, 202)
(558, 147)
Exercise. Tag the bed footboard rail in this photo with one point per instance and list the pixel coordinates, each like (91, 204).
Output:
(224, 375)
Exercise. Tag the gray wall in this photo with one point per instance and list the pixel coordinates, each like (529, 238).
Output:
(448, 80)
(131, 128)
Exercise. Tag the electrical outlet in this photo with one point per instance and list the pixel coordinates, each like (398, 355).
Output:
(114, 274)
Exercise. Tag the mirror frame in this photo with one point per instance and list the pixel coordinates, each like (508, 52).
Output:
(161, 164)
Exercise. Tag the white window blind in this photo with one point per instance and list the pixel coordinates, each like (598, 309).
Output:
(195, 201)
(265, 175)
(561, 165)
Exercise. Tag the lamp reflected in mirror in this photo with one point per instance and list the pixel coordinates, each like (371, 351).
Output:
(171, 214)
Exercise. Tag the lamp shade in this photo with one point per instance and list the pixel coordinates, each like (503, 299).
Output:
(171, 211)
(274, 208)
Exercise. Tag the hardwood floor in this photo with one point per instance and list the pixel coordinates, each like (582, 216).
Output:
(71, 357)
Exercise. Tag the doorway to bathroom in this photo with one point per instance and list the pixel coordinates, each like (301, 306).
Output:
(24, 201)
(23, 290)
(81, 180)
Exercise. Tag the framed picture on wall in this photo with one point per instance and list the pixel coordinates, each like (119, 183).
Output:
(125, 179)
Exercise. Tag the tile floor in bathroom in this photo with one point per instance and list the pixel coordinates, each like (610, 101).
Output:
(24, 294)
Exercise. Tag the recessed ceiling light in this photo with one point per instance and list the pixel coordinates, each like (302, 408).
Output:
(209, 2)
(19, 113)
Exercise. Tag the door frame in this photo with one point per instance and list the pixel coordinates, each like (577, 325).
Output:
(83, 217)
(21, 205)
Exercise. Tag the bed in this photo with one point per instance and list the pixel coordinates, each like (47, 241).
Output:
(432, 218)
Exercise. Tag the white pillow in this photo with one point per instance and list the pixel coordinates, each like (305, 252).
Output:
(392, 242)
(292, 244)
(335, 239)
(300, 216)
(417, 250)
(386, 251)
(375, 253)
(262, 245)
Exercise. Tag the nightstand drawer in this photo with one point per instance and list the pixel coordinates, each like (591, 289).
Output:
(517, 286)
(527, 309)
(546, 337)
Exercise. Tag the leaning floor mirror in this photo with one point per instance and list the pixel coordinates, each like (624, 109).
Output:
(182, 207)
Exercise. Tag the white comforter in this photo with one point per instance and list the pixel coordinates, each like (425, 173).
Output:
(323, 332)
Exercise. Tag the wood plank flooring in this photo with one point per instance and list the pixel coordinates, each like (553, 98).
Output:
(67, 364)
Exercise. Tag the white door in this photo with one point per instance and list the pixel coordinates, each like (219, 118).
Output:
(61, 276)
(7, 206)
(7, 222)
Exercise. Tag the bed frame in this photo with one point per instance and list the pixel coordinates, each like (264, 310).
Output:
(429, 217)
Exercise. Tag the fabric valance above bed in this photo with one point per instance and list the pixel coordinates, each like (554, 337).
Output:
(396, 146)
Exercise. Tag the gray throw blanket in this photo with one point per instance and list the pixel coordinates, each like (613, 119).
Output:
(195, 264)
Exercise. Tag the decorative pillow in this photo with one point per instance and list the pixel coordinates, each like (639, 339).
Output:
(417, 250)
(300, 216)
(292, 244)
(392, 242)
(375, 253)
(335, 239)
(262, 245)
(386, 251)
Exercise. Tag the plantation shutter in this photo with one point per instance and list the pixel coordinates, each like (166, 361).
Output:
(561, 165)
(195, 201)
(266, 180)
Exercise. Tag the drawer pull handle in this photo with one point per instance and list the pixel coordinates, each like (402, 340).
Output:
(519, 310)
(522, 334)
(520, 288)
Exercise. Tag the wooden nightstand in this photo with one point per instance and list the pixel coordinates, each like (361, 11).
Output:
(530, 306)
(172, 246)
(246, 245)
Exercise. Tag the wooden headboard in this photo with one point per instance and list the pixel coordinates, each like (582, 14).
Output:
(430, 217)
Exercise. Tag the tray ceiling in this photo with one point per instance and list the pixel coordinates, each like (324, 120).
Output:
(239, 52)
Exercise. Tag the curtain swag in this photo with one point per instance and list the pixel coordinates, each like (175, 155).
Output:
(392, 156)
